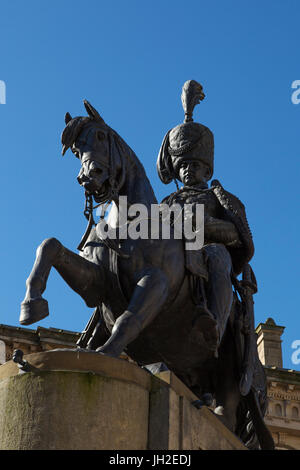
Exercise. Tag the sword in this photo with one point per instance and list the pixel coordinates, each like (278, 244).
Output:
(88, 331)
(248, 289)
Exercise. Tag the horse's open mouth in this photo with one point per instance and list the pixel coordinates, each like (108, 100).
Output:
(102, 195)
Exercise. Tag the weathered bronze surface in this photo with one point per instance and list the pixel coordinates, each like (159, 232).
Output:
(153, 298)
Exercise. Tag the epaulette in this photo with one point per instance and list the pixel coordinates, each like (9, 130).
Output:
(235, 212)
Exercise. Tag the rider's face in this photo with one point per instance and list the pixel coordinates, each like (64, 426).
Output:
(193, 172)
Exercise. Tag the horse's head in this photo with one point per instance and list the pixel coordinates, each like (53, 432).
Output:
(94, 143)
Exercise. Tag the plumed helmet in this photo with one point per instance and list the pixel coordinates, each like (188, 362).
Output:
(180, 140)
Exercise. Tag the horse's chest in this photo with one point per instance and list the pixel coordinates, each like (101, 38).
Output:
(95, 250)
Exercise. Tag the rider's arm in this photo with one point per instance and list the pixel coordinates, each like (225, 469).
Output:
(221, 231)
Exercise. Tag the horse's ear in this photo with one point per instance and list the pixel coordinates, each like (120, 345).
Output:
(64, 149)
(92, 112)
(68, 118)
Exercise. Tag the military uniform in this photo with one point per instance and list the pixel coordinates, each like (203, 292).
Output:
(228, 242)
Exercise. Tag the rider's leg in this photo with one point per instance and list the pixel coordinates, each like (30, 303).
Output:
(217, 295)
(219, 290)
(147, 301)
(84, 277)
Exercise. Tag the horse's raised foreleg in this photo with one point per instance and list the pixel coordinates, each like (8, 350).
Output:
(148, 298)
(81, 275)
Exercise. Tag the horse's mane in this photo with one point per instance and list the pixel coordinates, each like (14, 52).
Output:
(126, 153)
(76, 125)
(72, 131)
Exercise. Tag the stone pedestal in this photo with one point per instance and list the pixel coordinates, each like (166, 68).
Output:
(77, 400)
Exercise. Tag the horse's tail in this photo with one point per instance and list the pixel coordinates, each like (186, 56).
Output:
(252, 428)
(261, 432)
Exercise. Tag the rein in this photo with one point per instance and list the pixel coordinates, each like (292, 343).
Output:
(88, 213)
(108, 197)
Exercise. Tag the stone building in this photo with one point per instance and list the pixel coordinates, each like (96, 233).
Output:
(30, 341)
(283, 414)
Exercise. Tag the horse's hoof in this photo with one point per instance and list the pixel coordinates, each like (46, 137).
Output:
(106, 352)
(33, 310)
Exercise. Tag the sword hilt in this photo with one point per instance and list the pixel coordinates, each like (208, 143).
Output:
(249, 280)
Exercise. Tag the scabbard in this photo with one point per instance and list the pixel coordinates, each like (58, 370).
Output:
(249, 287)
(249, 347)
(88, 331)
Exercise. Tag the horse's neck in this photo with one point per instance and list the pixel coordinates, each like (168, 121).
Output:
(136, 187)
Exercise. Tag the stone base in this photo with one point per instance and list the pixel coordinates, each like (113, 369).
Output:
(80, 400)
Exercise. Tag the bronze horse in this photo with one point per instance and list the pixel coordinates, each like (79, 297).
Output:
(140, 288)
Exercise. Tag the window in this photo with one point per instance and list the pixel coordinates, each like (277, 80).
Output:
(278, 410)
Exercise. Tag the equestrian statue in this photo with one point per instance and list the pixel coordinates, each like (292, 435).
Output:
(155, 299)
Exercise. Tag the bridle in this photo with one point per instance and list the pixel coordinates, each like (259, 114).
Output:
(110, 195)
(88, 213)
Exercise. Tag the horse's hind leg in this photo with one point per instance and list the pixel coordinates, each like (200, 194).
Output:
(227, 382)
(82, 276)
(148, 299)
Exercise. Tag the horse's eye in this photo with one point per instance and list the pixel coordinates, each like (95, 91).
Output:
(97, 171)
(100, 135)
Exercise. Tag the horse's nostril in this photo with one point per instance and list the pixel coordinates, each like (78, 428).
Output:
(82, 179)
(88, 184)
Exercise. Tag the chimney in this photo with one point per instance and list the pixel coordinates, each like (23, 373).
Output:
(269, 343)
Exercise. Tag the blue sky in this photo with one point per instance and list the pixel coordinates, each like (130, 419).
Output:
(130, 60)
